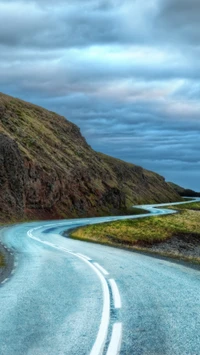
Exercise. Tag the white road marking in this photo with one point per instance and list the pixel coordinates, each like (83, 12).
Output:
(48, 243)
(116, 339)
(99, 344)
(3, 282)
(66, 250)
(84, 256)
(115, 293)
(101, 269)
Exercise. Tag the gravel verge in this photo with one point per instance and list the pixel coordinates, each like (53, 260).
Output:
(6, 270)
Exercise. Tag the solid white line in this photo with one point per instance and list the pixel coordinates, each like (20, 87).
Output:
(101, 269)
(84, 256)
(115, 293)
(100, 341)
(66, 250)
(99, 344)
(116, 339)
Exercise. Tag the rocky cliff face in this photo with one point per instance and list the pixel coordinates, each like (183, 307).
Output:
(12, 179)
(47, 170)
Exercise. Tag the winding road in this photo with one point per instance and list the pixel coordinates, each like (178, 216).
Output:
(71, 297)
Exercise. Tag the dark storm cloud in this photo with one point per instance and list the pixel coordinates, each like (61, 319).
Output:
(51, 24)
(127, 72)
(181, 19)
(75, 24)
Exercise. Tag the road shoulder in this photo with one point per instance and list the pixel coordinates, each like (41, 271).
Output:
(6, 270)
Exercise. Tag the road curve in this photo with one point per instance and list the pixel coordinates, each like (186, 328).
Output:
(70, 297)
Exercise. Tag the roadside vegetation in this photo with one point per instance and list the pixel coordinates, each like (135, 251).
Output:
(141, 231)
(2, 261)
(175, 235)
(188, 206)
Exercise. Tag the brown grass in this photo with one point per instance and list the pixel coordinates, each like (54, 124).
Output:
(2, 261)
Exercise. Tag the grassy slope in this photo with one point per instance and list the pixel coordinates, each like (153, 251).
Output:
(146, 231)
(51, 140)
(42, 136)
(146, 185)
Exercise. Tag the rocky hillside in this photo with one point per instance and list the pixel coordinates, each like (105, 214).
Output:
(47, 170)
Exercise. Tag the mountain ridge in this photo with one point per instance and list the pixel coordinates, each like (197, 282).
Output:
(48, 170)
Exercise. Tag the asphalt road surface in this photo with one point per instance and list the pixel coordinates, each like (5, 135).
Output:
(71, 297)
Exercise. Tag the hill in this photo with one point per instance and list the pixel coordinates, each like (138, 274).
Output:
(184, 192)
(49, 171)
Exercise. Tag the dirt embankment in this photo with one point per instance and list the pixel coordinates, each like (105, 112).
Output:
(186, 246)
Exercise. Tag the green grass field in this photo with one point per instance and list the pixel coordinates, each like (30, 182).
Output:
(143, 231)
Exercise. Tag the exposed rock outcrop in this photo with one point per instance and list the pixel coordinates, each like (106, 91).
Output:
(12, 182)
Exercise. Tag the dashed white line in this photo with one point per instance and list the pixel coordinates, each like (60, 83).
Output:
(84, 256)
(115, 293)
(116, 339)
(4, 281)
(101, 269)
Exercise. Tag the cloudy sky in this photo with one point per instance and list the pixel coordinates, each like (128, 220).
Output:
(126, 72)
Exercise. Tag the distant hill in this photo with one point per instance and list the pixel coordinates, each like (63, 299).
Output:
(47, 170)
(184, 192)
